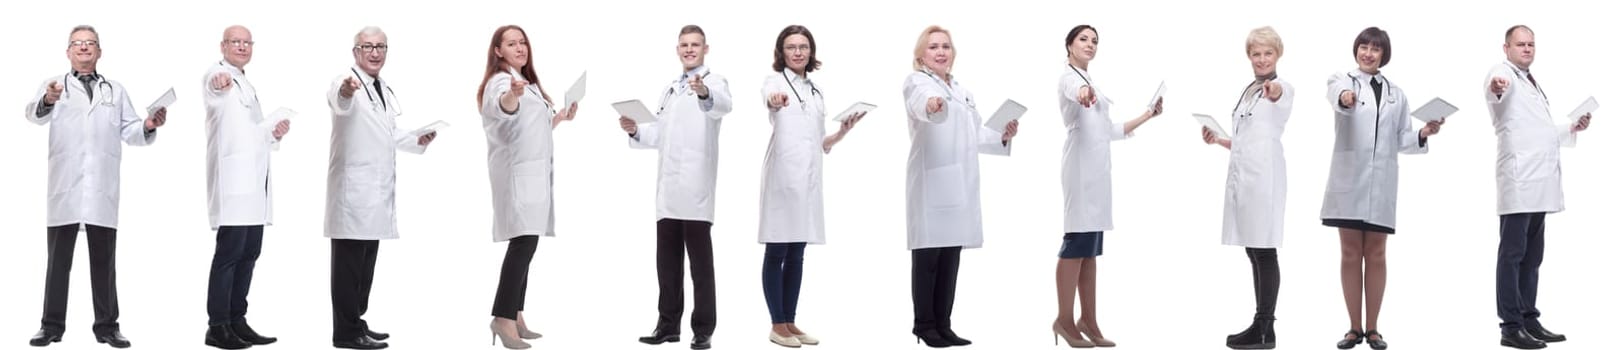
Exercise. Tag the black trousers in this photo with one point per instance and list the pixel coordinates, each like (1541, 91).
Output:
(59, 242)
(1521, 251)
(935, 285)
(236, 249)
(673, 236)
(353, 262)
(515, 278)
(1264, 280)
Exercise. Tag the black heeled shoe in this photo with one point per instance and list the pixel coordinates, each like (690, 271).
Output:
(931, 338)
(1377, 344)
(1348, 343)
(953, 338)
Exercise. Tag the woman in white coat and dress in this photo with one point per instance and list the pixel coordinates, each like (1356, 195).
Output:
(1085, 177)
(943, 181)
(1360, 200)
(1254, 201)
(518, 119)
(792, 177)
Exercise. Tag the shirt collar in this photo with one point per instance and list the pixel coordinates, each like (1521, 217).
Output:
(366, 79)
(701, 70)
(93, 75)
(234, 69)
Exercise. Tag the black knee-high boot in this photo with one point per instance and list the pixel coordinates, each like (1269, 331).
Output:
(1265, 276)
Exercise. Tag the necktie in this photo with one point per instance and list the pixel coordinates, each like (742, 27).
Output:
(1376, 83)
(90, 84)
(378, 85)
(1535, 83)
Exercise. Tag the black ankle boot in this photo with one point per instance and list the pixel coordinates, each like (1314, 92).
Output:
(1259, 336)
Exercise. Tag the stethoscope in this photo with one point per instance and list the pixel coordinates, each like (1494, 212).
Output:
(1520, 74)
(683, 84)
(104, 90)
(1254, 99)
(792, 88)
(374, 101)
(1358, 85)
(945, 87)
(1085, 80)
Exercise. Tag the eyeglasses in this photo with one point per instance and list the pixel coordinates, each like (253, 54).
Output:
(240, 43)
(381, 48)
(77, 43)
(793, 48)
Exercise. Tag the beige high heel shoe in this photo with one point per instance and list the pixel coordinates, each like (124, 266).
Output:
(507, 342)
(1099, 341)
(1078, 342)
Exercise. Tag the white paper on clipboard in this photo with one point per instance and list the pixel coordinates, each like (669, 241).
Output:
(1589, 106)
(1211, 123)
(1435, 110)
(635, 110)
(576, 92)
(167, 99)
(412, 136)
(1006, 113)
(859, 107)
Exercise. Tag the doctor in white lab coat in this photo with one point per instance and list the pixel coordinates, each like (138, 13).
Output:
(1529, 181)
(239, 145)
(1254, 201)
(1372, 127)
(943, 181)
(792, 177)
(518, 119)
(91, 119)
(1085, 178)
(361, 183)
(686, 135)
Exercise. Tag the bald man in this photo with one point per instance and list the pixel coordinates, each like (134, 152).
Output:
(240, 140)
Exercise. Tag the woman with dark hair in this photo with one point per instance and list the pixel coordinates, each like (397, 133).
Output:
(1085, 176)
(518, 119)
(1360, 201)
(792, 178)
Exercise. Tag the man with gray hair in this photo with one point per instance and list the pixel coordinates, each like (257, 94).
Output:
(93, 119)
(361, 184)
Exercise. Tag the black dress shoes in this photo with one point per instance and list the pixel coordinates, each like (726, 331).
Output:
(701, 341)
(114, 339)
(44, 337)
(1377, 344)
(247, 334)
(1538, 332)
(221, 337)
(1518, 338)
(361, 342)
(661, 337)
(1349, 340)
(375, 335)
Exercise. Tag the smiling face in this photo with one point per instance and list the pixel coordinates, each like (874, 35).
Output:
(371, 50)
(1084, 47)
(939, 53)
(1519, 47)
(691, 49)
(514, 49)
(84, 49)
(1369, 58)
(796, 52)
(1263, 58)
(237, 45)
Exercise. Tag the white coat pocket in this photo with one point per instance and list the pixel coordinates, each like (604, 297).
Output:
(362, 188)
(944, 187)
(1533, 167)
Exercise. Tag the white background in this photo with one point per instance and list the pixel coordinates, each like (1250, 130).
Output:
(1165, 281)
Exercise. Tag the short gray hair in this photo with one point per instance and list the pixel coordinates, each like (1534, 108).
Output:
(85, 28)
(370, 30)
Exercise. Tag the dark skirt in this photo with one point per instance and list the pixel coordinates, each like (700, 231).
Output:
(1082, 245)
(1360, 225)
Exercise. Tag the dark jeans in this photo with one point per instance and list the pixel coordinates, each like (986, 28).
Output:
(673, 236)
(1265, 279)
(59, 244)
(780, 279)
(353, 262)
(1521, 251)
(236, 248)
(935, 285)
(515, 278)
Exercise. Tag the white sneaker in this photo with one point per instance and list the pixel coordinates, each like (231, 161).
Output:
(789, 341)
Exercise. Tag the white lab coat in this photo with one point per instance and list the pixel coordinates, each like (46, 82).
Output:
(519, 149)
(792, 176)
(85, 149)
(1254, 201)
(239, 145)
(1085, 166)
(1363, 181)
(943, 165)
(686, 132)
(361, 160)
(1529, 166)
